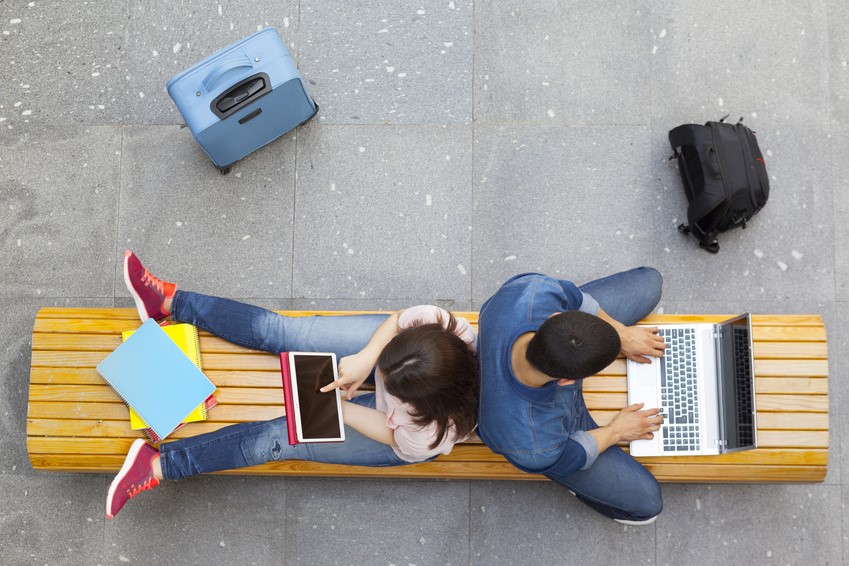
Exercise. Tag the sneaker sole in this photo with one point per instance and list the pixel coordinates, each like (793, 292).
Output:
(128, 463)
(136, 297)
(636, 523)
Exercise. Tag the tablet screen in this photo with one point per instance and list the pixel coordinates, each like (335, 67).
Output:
(319, 413)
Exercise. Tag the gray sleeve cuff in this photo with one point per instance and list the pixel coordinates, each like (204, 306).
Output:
(589, 445)
(589, 305)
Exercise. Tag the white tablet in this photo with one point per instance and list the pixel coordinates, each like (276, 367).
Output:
(317, 415)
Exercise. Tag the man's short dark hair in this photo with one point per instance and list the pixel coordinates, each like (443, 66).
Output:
(573, 345)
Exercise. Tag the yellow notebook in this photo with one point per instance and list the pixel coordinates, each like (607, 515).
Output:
(186, 337)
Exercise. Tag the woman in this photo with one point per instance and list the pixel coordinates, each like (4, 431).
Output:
(421, 358)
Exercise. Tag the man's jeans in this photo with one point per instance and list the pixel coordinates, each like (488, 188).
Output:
(249, 444)
(616, 485)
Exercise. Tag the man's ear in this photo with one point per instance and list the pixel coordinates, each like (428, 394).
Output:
(554, 314)
(563, 382)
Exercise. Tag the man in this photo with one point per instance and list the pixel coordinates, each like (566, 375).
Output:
(538, 338)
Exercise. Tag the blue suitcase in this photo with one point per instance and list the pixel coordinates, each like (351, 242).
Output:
(243, 97)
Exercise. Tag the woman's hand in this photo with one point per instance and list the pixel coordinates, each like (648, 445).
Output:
(353, 371)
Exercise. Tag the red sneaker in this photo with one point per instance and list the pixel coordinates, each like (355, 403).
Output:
(135, 476)
(148, 291)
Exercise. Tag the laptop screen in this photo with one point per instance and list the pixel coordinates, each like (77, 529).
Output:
(737, 402)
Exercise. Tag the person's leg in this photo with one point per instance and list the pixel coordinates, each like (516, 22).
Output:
(628, 296)
(616, 485)
(261, 329)
(250, 444)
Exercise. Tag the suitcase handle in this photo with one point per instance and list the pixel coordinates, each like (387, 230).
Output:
(227, 65)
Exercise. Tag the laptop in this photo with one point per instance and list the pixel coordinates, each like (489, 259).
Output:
(704, 386)
(311, 416)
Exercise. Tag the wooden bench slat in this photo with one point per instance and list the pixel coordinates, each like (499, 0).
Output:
(766, 420)
(213, 345)
(765, 402)
(226, 362)
(779, 320)
(679, 473)
(109, 445)
(110, 411)
(88, 376)
(804, 403)
(757, 319)
(261, 396)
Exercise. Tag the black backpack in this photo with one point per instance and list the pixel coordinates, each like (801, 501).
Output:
(724, 177)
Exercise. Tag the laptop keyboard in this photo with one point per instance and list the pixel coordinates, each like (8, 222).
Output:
(679, 391)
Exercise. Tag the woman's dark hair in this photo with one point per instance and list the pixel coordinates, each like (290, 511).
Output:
(432, 369)
(573, 345)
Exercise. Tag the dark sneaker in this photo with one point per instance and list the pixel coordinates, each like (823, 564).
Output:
(148, 291)
(135, 476)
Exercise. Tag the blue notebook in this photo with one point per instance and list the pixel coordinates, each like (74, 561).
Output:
(154, 377)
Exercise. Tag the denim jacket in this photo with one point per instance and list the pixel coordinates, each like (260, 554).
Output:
(536, 429)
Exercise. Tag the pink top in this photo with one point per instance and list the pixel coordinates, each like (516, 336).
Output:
(413, 440)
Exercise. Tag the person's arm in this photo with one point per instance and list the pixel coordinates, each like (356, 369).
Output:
(368, 422)
(631, 423)
(637, 341)
(354, 369)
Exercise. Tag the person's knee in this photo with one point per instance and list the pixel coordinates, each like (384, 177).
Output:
(651, 283)
(650, 504)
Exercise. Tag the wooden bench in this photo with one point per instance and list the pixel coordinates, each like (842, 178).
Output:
(77, 423)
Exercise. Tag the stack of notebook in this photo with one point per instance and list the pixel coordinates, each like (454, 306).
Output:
(156, 371)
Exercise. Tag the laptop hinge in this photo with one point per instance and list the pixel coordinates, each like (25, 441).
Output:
(719, 442)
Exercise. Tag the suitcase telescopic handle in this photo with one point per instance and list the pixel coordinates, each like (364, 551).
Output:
(223, 67)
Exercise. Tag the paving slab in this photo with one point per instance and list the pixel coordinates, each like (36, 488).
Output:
(374, 219)
(385, 62)
(551, 199)
(838, 366)
(726, 57)
(166, 38)
(52, 519)
(62, 63)
(838, 60)
(787, 249)
(840, 169)
(538, 62)
(203, 520)
(542, 523)
(59, 190)
(750, 524)
(376, 522)
(229, 235)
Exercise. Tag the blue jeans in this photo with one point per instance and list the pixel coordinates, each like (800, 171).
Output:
(249, 444)
(616, 485)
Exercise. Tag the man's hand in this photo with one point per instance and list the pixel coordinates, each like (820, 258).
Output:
(631, 423)
(640, 341)
(637, 341)
(353, 371)
(635, 423)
